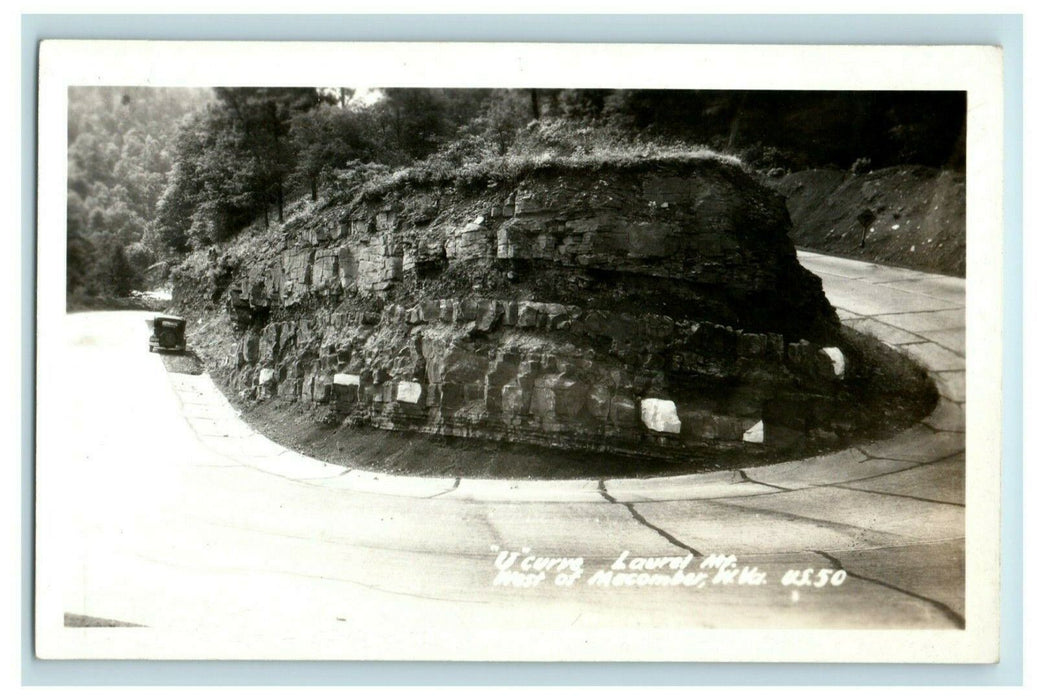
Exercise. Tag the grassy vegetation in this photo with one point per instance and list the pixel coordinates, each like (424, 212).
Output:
(555, 146)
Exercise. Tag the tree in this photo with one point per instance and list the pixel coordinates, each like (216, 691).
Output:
(117, 275)
(229, 164)
(79, 261)
(415, 122)
(262, 117)
(327, 138)
(502, 114)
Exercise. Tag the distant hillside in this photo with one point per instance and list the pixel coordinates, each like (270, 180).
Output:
(910, 216)
(120, 143)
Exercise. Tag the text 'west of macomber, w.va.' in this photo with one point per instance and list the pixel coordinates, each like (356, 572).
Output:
(524, 569)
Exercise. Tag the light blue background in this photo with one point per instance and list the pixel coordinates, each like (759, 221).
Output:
(1003, 30)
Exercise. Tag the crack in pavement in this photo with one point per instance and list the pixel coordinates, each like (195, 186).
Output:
(950, 614)
(941, 300)
(898, 495)
(933, 428)
(912, 313)
(842, 484)
(485, 514)
(843, 528)
(914, 465)
(746, 477)
(870, 457)
(457, 482)
(641, 519)
(806, 487)
(923, 424)
(319, 481)
(877, 318)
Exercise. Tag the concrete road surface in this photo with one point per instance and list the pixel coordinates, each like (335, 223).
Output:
(158, 508)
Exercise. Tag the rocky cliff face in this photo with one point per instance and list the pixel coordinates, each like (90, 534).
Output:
(656, 309)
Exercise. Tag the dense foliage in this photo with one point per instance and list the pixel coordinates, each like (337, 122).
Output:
(119, 157)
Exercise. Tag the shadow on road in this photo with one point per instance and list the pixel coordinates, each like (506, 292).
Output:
(186, 362)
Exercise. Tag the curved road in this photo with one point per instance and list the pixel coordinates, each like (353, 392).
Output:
(158, 507)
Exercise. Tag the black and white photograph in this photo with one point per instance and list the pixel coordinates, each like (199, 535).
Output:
(518, 352)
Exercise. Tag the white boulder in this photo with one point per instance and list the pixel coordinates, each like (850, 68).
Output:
(754, 434)
(342, 379)
(408, 392)
(838, 360)
(660, 415)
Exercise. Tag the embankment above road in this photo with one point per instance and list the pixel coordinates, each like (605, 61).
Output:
(652, 309)
(909, 215)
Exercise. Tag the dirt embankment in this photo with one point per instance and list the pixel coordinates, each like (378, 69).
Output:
(656, 313)
(908, 216)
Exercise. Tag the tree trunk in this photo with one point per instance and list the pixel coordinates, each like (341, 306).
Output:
(280, 201)
(534, 103)
(313, 189)
(398, 123)
(732, 136)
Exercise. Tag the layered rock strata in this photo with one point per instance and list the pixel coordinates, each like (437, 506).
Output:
(657, 309)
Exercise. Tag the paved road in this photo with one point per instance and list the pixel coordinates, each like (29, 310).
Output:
(171, 514)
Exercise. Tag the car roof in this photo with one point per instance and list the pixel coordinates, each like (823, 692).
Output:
(163, 317)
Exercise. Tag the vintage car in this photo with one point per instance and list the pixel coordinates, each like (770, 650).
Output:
(167, 333)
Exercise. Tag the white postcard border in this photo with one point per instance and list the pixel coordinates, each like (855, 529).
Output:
(975, 69)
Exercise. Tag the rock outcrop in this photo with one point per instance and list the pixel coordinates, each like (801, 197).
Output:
(656, 309)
